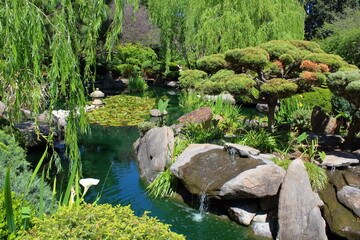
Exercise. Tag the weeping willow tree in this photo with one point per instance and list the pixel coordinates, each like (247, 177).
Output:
(47, 52)
(194, 28)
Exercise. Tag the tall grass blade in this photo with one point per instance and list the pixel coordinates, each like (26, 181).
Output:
(37, 167)
(41, 202)
(8, 203)
(67, 194)
(53, 199)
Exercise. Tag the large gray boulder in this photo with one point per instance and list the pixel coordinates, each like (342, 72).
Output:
(350, 197)
(154, 152)
(299, 213)
(258, 182)
(208, 168)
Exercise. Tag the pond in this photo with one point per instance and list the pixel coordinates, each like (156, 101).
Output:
(107, 154)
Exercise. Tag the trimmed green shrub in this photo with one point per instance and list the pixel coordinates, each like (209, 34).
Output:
(209, 87)
(127, 51)
(99, 222)
(333, 61)
(189, 78)
(318, 97)
(251, 57)
(128, 70)
(222, 75)
(13, 155)
(307, 45)
(279, 88)
(239, 84)
(276, 48)
(347, 85)
(211, 63)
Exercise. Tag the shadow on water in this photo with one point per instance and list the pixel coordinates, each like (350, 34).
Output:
(111, 147)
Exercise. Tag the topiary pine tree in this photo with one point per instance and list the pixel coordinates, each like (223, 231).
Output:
(272, 71)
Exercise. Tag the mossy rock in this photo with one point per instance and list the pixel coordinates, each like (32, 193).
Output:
(122, 110)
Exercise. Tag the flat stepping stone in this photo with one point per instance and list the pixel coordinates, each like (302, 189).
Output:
(340, 159)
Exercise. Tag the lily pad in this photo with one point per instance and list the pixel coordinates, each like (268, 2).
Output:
(122, 110)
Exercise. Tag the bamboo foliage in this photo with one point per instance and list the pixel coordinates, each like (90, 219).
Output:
(47, 52)
(195, 28)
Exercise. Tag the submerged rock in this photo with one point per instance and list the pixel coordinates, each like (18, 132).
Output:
(341, 221)
(299, 212)
(242, 212)
(154, 151)
(350, 197)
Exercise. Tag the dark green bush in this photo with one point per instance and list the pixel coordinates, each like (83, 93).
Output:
(239, 84)
(209, 87)
(346, 84)
(211, 63)
(137, 84)
(99, 222)
(128, 70)
(318, 97)
(127, 51)
(13, 155)
(189, 78)
(276, 48)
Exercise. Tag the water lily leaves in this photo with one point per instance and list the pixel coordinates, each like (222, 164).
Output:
(122, 110)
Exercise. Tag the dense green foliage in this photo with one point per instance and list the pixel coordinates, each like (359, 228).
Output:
(137, 84)
(344, 39)
(320, 12)
(17, 202)
(13, 155)
(99, 222)
(189, 78)
(193, 29)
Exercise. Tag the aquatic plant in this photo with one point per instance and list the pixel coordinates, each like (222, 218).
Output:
(137, 84)
(122, 110)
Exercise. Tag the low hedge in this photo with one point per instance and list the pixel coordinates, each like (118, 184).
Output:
(99, 222)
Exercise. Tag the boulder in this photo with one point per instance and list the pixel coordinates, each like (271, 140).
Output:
(225, 97)
(31, 136)
(242, 150)
(201, 115)
(205, 168)
(350, 197)
(2, 109)
(154, 152)
(156, 113)
(172, 84)
(352, 177)
(262, 229)
(322, 123)
(263, 108)
(340, 159)
(299, 213)
(257, 182)
(342, 223)
(242, 212)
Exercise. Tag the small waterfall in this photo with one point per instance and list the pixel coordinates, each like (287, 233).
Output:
(232, 152)
(202, 209)
(332, 170)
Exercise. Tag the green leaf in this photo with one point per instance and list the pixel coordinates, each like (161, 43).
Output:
(8, 203)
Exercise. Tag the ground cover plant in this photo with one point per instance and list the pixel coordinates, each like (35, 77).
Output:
(122, 110)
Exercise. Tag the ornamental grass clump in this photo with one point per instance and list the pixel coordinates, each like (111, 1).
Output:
(99, 222)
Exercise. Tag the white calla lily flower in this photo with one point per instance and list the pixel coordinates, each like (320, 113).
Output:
(88, 182)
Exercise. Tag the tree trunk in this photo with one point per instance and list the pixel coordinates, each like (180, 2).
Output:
(271, 114)
(353, 130)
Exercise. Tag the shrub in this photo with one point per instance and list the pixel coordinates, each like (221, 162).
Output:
(307, 45)
(317, 97)
(13, 155)
(189, 78)
(286, 59)
(251, 57)
(222, 75)
(99, 222)
(276, 48)
(279, 88)
(209, 87)
(312, 78)
(333, 61)
(211, 63)
(347, 85)
(239, 84)
(127, 51)
(137, 84)
(259, 139)
(128, 70)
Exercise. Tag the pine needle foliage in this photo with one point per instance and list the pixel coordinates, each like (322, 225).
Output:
(47, 52)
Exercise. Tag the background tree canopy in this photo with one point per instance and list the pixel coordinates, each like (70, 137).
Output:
(194, 28)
